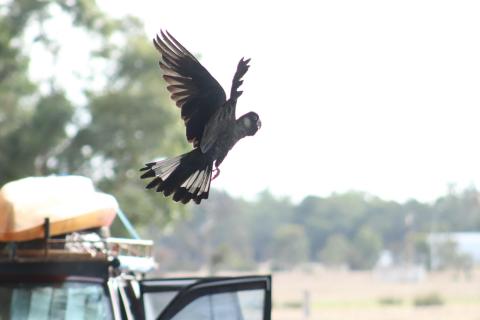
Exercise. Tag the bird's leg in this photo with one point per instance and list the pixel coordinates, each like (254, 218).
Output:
(216, 173)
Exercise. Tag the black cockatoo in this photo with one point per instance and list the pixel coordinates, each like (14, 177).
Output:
(210, 121)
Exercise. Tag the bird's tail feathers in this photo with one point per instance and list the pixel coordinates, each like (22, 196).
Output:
(187, 176)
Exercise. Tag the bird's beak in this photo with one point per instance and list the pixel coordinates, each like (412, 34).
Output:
(259, 124)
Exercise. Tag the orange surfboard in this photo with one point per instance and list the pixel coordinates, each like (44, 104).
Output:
(70, 202)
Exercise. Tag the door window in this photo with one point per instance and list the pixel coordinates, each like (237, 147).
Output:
(242, 305)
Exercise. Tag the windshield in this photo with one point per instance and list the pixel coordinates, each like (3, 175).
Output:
(67, 300)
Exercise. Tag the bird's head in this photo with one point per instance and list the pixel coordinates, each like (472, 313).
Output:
(250, 122)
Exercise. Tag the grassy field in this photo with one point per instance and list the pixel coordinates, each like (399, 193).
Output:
(345, 295)
(358, 295)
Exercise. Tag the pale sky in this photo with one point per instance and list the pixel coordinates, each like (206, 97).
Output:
(376, 96)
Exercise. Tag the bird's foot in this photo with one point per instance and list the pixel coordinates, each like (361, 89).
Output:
(216, 173)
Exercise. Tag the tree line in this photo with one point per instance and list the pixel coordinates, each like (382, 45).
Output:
(347, 230)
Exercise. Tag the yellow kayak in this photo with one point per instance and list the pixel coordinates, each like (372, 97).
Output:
(70, 202)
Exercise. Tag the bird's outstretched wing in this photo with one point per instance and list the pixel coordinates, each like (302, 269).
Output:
(242, 68)
(225, 116)
(192, 87)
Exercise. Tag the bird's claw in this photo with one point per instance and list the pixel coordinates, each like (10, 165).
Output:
(216, 173)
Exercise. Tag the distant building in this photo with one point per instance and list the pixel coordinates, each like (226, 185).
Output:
(387, 270)
(463, 243)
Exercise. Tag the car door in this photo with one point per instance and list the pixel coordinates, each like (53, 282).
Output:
(229, 298)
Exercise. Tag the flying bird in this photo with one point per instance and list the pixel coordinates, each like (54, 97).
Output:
(210, 121)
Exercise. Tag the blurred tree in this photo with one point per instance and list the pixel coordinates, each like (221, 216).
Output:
(339, 213)
(447, 208)
(336, 251)
(234, 233)
(366, 246)
(123, 122)
(227, 242)
(290, 246)
(31, 147)
(422, 250)
(215, 235)
(386, 219)
(265, 215)
(132, 122)
(22, 109)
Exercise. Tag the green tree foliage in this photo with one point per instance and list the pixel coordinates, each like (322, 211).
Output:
(265, 216)
(123, 120)
(366, 246)
(448, 257)
(341, 230)
(30, 147)
(337, 214)
(216, 234)
(446, 211)
(336, 251)
(290, 246)
(131, 123)
(22, 109)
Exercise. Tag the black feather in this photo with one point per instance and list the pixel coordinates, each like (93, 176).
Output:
(148, 174)
(147, 166)
(187, 176)
(154, 183)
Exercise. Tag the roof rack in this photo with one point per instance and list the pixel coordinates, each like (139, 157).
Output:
(90, 249)
(129, 255)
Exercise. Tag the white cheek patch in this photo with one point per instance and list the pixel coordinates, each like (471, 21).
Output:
(247, 122)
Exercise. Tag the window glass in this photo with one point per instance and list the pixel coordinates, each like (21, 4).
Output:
(242, 305)
(155, 302)
(66, 300)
